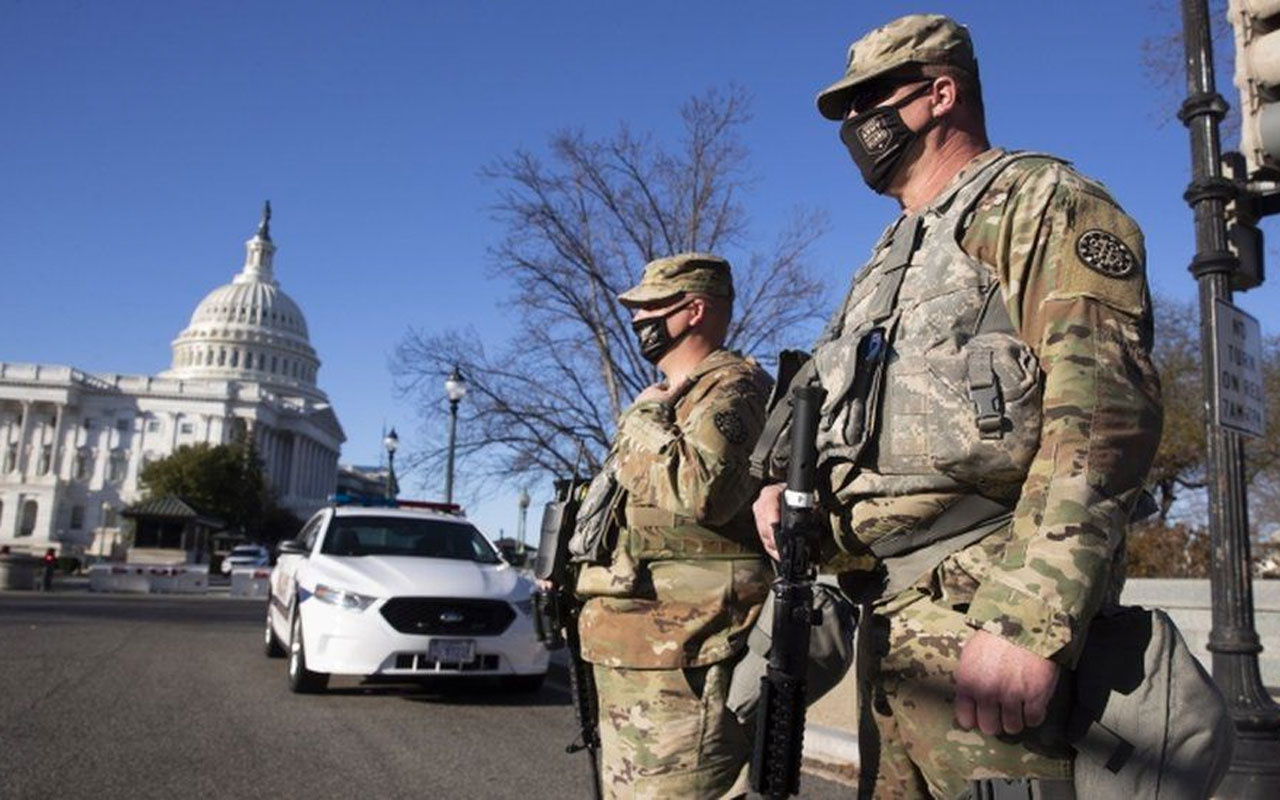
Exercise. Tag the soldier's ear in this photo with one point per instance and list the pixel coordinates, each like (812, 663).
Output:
(945, 95)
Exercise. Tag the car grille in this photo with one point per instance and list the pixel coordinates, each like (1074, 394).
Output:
(448, 616)
(420, 662)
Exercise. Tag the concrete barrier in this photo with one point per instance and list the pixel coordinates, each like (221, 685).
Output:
(250, 581)
(20, 571)
(149, 578)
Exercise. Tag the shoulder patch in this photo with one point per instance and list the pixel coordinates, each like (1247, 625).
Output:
(731, 426)
(1106, 253)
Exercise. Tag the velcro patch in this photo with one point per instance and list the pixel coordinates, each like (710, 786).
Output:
(1106, 253)
(731, 426)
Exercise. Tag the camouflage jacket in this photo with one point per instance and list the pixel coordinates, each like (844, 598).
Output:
(687, 577)
(1070, 267)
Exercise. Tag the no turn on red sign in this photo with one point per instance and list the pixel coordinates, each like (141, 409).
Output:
(1241, 402)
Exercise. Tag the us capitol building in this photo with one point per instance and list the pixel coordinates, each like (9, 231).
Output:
(73, 443)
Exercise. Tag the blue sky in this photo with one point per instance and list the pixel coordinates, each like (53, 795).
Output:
(140, 139)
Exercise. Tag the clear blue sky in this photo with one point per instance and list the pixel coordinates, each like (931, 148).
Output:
(140, 139)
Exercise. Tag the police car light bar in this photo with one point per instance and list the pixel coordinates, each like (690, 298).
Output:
(369, 500)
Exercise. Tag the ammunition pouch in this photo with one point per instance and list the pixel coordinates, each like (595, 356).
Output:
(599, 518)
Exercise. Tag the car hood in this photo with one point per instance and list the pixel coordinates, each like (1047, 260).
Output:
(398, 576)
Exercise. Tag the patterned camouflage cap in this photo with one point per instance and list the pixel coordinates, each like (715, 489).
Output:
(913, 39)
(685, 272)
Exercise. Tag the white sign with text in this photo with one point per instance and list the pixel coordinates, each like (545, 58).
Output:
(1238, 375)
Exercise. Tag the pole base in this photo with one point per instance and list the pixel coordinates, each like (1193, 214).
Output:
(1254, 773)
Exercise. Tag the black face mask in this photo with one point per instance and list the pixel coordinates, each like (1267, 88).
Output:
(655, 340)
(878, 139)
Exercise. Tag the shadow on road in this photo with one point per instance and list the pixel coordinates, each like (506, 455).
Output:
(454, 691)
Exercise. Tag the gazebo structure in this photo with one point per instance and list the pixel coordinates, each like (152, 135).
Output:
(167, 529)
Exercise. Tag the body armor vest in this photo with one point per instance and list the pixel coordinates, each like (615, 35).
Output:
(929, 389)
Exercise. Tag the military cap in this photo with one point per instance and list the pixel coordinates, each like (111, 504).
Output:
(685, 272)
(914, 39)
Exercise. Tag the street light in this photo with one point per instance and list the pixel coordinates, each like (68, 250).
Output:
(524, 511)
(456, 389)
(391, 442)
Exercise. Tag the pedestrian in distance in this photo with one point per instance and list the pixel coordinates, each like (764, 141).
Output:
(49, 562)
(991, 413)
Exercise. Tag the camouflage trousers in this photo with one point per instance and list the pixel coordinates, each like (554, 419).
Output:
(908, 736)
(666, 733)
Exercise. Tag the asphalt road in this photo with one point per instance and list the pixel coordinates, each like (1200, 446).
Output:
(110, 696)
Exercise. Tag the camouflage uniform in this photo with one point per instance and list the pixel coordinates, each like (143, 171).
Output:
(1057, 414)
(686, 581)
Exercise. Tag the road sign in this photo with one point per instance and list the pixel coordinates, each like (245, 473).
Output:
(1238, 370)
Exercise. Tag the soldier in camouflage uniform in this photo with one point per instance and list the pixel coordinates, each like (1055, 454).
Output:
(993, 354)
(686, 578)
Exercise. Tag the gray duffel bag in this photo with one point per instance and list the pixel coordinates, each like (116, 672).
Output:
(830, 652)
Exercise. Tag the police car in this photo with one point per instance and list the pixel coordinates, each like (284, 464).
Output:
(410, 590)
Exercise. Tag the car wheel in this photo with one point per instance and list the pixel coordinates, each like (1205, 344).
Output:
(271, 644)
(523, 683)
(301, 679)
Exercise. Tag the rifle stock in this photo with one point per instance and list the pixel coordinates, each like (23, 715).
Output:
(779, 740)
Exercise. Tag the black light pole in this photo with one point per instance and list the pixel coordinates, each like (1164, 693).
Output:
(1255, 767)
(523, 501)
(455, 388)
(391, 442)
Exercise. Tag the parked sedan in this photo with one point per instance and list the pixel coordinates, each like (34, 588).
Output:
(246, 555)
(398, 592)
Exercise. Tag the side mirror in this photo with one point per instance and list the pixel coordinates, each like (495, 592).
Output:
(292, 547)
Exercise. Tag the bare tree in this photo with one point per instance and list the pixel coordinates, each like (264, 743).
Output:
(580, 223)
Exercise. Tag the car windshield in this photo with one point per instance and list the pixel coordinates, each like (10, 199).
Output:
(407, 536)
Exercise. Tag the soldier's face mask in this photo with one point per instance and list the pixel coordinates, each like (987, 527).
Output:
(655, 340)
(878, 139)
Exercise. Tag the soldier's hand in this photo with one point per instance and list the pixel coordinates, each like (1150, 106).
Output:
(545, 586)
(768, 512)
(1001, 687)
(658, 392)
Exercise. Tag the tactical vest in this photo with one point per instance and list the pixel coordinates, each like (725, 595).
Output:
(611, 522)
(929, 389)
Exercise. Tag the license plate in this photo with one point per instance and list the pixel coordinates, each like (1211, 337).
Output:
(452, 651)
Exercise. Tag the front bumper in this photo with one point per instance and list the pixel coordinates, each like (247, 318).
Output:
(344, 642)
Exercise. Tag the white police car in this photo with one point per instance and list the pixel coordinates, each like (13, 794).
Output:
(412, 591)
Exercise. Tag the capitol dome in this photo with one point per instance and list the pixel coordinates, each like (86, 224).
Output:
(249, 329)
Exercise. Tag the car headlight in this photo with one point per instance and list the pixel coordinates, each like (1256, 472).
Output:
(342, 598)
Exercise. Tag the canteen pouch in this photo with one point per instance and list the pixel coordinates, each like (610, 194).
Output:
(984, 409)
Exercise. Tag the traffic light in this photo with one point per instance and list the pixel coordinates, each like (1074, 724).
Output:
(1257, 34)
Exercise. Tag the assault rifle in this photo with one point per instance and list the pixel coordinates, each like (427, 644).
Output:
(779, 742)
(556, 617)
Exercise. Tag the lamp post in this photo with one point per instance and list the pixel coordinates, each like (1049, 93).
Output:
(391, 442)
(1233, 641)
(455, 388)
(524, 511)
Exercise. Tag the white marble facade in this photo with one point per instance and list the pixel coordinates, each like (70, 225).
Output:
(72, 443)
